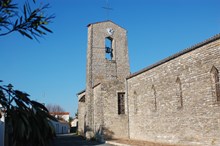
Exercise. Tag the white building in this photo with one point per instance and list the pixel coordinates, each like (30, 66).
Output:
(74, 123)
(61, 127)
(61, 115)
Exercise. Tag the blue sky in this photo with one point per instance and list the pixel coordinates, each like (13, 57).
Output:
(53, 71)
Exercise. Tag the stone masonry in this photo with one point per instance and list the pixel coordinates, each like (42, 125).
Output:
(104, 78)
(176, 100)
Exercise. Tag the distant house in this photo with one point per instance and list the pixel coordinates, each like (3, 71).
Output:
(74, 123)
(61, 126)
(61, 115)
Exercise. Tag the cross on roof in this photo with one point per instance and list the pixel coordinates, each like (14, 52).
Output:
(107, 8)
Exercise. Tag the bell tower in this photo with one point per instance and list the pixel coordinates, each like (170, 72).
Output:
(107, 60)
(107, 53)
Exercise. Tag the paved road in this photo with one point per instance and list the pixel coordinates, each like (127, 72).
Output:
(73, 140)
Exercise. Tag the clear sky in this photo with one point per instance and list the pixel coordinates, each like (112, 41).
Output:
(53, 71)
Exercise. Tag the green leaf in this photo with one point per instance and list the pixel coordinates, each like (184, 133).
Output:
(25, 34)
(16, 23)
(22, 96)
(21, 20)
(39, 31)
(20, 104)
(4, 103)
(46, 29)
(25, 13)
(39, 105)
(2, 96)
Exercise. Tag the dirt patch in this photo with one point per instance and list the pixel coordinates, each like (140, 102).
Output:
(139, 143)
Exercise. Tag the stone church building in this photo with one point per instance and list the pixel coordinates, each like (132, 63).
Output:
(176, 100)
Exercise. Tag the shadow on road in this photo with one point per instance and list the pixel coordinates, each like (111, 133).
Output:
(74, 140)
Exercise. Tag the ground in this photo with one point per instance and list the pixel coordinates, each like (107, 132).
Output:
(74, 140)
(128, 142)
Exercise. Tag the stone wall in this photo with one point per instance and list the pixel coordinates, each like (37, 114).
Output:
(115, 125)
(99, 69)
(174, 102)
(107, 122)
(81, 113)
(98, 110)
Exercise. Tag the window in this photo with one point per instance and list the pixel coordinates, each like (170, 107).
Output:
(215, 82)
(121, 103)
(108, 48)
(135, 103)
(155, 97)
(179, 93)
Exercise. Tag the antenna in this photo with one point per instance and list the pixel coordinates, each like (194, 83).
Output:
(107, 8)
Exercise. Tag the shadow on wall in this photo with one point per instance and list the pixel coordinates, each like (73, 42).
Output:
(108, 134)
(103, 134)
(81, 131)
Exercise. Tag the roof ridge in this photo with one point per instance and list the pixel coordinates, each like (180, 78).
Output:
(104, 22)
(184, 51)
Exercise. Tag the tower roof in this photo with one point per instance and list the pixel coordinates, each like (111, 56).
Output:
(104, 22)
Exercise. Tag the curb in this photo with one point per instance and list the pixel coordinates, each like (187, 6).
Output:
(116, 144)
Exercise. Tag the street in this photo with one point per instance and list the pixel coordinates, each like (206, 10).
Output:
(74, 140)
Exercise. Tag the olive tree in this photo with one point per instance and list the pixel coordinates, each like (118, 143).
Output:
(27, 121)
(30, 22)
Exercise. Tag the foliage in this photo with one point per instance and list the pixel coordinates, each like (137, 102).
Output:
(28, 120)
(70, 120)
(29, 23)
(54, 108)
(76, 114)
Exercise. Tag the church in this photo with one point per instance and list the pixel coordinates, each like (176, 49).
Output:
(174, 101)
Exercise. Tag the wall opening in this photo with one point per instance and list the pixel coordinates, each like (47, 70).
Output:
(108, 48)
(155, 97)
(135, 103)
(179, 93)
(215, 82)
(121, 103)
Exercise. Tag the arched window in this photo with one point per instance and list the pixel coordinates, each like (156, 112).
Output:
(215, 82)
(179, 93)
(108, 48)
(135, 103)
(155, 97)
